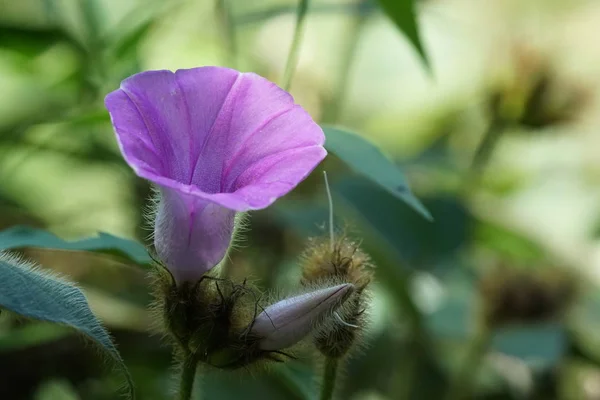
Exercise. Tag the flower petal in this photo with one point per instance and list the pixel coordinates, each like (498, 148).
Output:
(216, 134)
(191, 235)
(285, 323)
(152, 107)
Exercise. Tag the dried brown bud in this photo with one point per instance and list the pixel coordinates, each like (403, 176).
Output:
(536, 95)
(525, 296)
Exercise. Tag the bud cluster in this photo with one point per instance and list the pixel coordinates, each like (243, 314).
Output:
(224, 324)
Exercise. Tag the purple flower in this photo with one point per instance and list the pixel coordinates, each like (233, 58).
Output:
(216, 142)
(285, 323)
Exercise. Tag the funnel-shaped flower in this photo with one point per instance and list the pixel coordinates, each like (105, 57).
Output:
(285, 323)
(215, 141)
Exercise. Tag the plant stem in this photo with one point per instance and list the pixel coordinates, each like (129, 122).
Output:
(462, 386)
(292, 60)
(341, 82)
(329, 377)
(188, 374)
(487, 145)
(228, 29)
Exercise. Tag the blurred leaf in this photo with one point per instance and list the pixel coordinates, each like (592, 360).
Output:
(584, 323)
(125, 38)
(35, 294)
(306, 218)
(368, 160)
(508, 244)
(23, 236)
(358, 8)
(217, 385)
(419, 243)
(32, 335)
(297, 379)
(56, 390)
(452, 319)
(543, 344)
(87, 118)
(402, 12)
(91, 12)
(31, 41)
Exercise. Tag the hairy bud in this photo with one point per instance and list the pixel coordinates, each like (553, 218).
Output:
(340, 261)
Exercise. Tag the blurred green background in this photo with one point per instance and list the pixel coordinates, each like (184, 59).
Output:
(497, 298)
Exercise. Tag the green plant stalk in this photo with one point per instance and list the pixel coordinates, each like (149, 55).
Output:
(292, 60)
(229, 31)
(329, 378)
(462, 386)
(488, 144)
(340, 87)
(188, 375)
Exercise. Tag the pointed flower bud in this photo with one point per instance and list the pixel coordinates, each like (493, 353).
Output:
(216, 142)
(285, 323)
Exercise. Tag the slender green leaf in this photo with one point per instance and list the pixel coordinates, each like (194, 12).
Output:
(402, 12)
(23, 236)
(362, 8)
(366, 159)
(31, 41)
(124, 39)
(33, 293)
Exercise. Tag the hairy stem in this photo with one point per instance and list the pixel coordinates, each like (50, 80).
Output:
(292, 60)
(188, 374)
(329, 378)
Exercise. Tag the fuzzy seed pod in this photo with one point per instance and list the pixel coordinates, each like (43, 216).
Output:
(342, 261)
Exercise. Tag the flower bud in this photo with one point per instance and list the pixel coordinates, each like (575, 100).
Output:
(286, 322)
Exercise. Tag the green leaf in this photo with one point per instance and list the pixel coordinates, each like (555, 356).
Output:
(23, 236)
(31, 41)
(366, 159)
(409, 237)
(124, 39)
(33, 293)
(402, 12)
